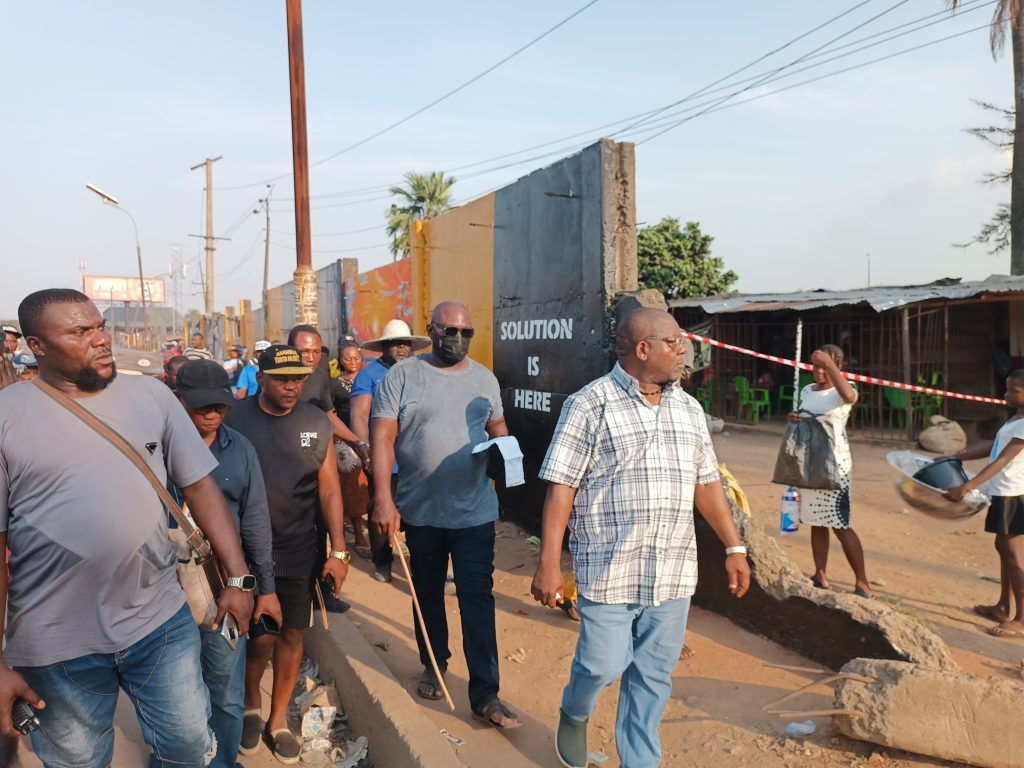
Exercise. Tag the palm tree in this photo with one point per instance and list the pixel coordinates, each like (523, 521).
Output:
(424, 196)
(1010, 13)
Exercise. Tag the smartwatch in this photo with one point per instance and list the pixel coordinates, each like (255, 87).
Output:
(245, 583)
(344, 555)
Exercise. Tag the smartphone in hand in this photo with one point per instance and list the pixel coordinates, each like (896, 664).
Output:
(265, 625)
(229, 630)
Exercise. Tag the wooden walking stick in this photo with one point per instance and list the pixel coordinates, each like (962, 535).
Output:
(397, 546)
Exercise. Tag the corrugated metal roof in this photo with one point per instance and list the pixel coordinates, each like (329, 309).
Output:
(880, 299)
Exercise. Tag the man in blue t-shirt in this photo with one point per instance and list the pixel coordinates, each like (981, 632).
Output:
(247, 384)
(395, 343)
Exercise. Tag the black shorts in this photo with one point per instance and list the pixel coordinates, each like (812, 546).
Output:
(294, 594)
(1006, 516)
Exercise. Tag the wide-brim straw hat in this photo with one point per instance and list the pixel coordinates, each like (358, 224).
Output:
(394, 330)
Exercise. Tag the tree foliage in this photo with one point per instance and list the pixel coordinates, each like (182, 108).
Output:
(424, 196)
(996, 231)
(678, 261)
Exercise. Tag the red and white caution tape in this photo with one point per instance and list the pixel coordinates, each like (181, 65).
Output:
(847, 374)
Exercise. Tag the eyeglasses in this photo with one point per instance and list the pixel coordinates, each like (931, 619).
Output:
(675, 343)
(452, 330)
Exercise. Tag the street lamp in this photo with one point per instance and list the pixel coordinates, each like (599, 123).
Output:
(113, 202)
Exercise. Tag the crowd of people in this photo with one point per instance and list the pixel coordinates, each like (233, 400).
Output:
(270, 456)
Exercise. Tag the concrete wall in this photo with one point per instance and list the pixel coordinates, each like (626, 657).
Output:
(373, 298)
(333, 321)
(564, 246)
(453, 258)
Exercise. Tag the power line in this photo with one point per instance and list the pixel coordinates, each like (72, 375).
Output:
(433, 103)
(336, 234)
(796, 61)
(646, 116)
(827, 75)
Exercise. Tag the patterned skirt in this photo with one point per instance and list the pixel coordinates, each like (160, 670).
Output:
(829, 509)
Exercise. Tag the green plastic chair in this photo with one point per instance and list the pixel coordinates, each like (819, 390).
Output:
(754, 398)
(930, 404)
(706, 395)
(897, 400)
(785, 395)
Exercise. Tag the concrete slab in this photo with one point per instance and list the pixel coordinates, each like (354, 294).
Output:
(976, 720)
(784, 606)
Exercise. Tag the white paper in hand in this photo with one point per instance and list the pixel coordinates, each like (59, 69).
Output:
(511, 455)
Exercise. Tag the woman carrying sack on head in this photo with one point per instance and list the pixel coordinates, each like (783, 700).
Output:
(830, 399)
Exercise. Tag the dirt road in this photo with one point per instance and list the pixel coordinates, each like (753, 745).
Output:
(715, 716)
(715, 713)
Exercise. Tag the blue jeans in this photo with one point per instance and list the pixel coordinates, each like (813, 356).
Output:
(162, 676)
(224, 675)
(472, 553)
(641, 643)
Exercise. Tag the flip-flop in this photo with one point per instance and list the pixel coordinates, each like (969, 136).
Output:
(429, 688)
(1006, 632)
(817, 582)
(990, 612)
(364, 552)
(497, 714)
(862, 593)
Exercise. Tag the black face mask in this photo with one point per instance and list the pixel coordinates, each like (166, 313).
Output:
(451, 349)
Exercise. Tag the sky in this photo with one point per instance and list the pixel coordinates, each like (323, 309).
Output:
(866, 175)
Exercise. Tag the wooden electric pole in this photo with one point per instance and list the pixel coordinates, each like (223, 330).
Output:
(210, 247)
(306, 301)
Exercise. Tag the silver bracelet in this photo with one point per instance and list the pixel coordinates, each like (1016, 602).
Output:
(738, 550)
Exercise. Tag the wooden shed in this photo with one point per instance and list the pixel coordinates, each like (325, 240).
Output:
(958, 336)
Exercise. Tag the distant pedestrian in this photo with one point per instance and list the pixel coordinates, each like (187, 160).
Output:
(197, 349)
(26, 366)
(429, 413)
(11, 338)
(395, 344)
(171, 368)
(247, 385)
(293, 441)
(93, 600)
(204, 392)
(630, 460)
(830, 399)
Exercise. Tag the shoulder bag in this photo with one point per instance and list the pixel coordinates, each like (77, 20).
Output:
(198, 571)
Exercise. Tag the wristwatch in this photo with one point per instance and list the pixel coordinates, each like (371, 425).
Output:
(344, 555)
(245, 583)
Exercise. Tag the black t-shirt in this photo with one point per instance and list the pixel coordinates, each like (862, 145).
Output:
(291, 450)
(317, 390)
(341, 395)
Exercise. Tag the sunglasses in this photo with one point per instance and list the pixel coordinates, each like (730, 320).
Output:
(452, 330)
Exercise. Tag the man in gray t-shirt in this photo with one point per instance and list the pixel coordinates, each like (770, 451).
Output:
(93, 600)
(429, 413)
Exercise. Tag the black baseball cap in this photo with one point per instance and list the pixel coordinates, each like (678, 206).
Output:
(282, 360)
(202, 383)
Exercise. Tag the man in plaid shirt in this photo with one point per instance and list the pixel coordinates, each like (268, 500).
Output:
(630, 458)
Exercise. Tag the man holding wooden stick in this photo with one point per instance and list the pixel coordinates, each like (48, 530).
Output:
(630, 459)
(429, 413)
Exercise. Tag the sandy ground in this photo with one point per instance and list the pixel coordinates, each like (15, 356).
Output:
(715, 715)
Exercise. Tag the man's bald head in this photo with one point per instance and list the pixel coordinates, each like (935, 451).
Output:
(450, 313)
(641, 324)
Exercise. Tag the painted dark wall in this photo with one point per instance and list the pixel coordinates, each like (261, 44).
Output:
(554, 261)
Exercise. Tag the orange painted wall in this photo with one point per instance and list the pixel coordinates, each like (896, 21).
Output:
(453, 258)
(372, 298)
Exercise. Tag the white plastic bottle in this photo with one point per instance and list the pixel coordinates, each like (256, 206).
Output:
(789, 518)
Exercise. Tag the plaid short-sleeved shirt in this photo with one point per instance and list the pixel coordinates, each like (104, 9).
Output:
(634, 466)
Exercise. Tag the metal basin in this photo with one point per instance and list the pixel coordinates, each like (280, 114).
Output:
(926, 499)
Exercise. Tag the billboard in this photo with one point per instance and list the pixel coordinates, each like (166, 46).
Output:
(115, 289)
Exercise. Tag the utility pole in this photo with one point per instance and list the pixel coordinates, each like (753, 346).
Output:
(266, 260)
(210, 247)
(306, 301)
